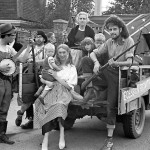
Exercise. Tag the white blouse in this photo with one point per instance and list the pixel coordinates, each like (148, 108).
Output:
(69, 74)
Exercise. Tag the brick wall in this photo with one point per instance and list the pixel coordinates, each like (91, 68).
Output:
(31, 9)
(25, 9)
(8, 9)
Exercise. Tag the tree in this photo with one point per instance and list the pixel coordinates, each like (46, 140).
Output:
(64, 9)
(129, 7)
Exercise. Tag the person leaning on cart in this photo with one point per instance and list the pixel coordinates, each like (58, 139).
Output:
(7, 35)
(119, 42)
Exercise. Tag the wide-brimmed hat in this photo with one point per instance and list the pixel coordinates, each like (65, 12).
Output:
(43, 35)
(7, 28)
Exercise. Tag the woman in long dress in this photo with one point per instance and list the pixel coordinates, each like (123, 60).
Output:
(54, 110)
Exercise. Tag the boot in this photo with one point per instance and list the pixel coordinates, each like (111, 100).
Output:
(18, 120)
(3, 137)
(28, 125)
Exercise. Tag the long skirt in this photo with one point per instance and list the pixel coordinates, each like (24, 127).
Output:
(56, 105)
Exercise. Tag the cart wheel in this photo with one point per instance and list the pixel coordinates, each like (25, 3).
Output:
(133, 124)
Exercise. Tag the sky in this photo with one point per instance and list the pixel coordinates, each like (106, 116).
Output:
(105, 4)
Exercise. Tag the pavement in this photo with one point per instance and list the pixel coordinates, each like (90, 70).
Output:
(31, 139)
(24, 139)
(87, 134)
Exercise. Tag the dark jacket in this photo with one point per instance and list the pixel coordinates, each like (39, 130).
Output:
(89, 32)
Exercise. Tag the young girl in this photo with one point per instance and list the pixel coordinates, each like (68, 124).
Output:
(88, 46)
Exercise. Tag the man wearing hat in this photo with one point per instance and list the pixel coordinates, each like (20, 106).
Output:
(40, 40)
(7, 35)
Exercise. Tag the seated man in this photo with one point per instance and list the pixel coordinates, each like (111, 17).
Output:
(118, 43)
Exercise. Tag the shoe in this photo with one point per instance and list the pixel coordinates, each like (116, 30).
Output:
(5, 139)
(18, 120)
(28, 125)
(108, 145)
(62, 146)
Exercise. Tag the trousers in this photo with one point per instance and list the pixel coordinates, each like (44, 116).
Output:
(5, 97)
(110, 77)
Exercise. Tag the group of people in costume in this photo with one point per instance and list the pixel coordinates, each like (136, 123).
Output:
(61, 67)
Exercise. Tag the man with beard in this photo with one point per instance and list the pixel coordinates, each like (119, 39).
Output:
(40, 40)
(118, 43)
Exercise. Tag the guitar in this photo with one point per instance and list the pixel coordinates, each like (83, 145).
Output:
(11, 62)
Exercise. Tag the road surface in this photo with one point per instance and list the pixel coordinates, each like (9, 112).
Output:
(87, 134)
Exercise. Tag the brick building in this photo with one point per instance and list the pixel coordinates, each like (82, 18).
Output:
(24, 14)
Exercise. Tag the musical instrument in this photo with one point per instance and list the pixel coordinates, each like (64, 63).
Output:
(11, 62)
(12, 66)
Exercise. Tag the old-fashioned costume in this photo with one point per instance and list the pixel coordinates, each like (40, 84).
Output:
(110, 75)
(5, 90)
(56, 101)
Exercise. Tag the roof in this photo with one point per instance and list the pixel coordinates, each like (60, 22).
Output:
(93, 23)
(60, 21)
(23, 23)
(100, 19)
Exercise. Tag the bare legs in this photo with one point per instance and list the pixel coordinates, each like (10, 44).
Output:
(61, 138)
(45, 141)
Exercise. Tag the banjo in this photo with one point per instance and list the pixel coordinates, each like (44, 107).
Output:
(11, 63)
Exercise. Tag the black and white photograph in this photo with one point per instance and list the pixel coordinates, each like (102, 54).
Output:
(74, 75)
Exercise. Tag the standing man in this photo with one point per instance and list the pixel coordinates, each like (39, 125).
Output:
(40, 40)
(118, 43)
(7, 35)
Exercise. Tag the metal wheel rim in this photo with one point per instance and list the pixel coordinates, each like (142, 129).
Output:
(138, 119)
